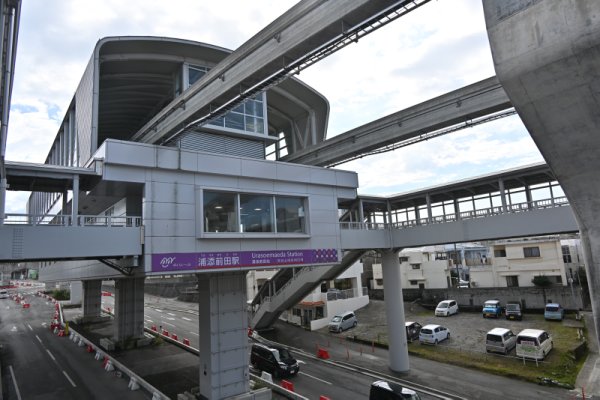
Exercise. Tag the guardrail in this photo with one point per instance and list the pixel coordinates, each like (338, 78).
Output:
(481, 213)
(68, 220)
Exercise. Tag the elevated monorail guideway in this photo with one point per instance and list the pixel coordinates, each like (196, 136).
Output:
(305, 34)
(468, 106)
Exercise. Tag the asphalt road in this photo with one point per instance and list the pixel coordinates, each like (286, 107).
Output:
(318, 378)
(36, 364)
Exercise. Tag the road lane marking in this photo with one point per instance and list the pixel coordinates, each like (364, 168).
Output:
(12, 373)
(51, 356)
(170, 318)
(314, 377)
(69, 378)
(149, 320)
(166, 323)
(194, 333)
(38, 338)
(171, 314)
(187, 319)
(157, 310)
(13, 329)
(30, 328)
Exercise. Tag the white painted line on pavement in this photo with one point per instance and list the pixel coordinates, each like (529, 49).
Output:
(166, 323)
(314, 377)
(38, 338)
(149, 320)
(171, 314)
(157, 310)
(187, 319)
(194, 333)
(12, 373)
(30, 328)
(13, 329)
(170, 318)
(69, 378)
(51, 356)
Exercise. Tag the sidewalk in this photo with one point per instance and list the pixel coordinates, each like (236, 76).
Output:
(589, 376)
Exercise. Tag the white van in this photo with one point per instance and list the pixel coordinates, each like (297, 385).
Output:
(446, 308)
(500, 340)
(533, 343)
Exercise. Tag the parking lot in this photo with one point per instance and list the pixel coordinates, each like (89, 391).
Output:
(467, 329)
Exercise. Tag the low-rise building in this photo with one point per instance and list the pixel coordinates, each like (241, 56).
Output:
(516, 262)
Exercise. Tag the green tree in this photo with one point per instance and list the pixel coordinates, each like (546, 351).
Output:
(541, 281)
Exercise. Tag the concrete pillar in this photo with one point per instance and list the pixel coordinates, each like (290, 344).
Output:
(428, 200)
(75, 201)
(129, 308)
(361, 214)
(223, 335)
(546, 58)
(502, 194)
(92, 299)
(394, 310)
(75, 291)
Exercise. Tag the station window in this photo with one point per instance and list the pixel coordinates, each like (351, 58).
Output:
(242, 212)
(220, 212)
(289, 213)
(248, 116)
(255, 213)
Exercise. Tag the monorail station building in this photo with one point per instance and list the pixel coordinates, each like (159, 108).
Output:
(206, 201)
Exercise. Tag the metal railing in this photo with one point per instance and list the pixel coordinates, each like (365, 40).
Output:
(346, 294)
(68, 220)
(484, 212)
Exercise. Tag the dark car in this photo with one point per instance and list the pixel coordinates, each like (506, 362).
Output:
(276, 360)
(383, 390)
(412, 330)
(513, 310)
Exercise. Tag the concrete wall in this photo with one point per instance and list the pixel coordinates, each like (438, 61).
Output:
(336, 307)
(533, 298)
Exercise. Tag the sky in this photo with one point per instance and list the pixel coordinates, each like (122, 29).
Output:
(437, 48)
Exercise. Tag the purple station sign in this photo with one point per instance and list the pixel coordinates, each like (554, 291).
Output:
(241, 259)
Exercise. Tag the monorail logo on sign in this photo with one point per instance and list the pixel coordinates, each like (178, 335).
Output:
(241, 259)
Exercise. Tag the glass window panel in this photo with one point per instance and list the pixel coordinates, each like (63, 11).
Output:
(249, 107)
(195, 73)
(250, 126)
(234, 121)
(260, 125)
(219, 212)
(255, 213)
(258, 109)
(289, 214)
(239, 108)
(217, 121)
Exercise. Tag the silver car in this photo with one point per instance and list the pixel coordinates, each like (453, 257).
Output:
(342, 322)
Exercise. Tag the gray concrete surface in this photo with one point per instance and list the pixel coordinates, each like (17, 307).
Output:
(546, 58)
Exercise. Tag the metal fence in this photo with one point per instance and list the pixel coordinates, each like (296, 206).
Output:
(68, 220)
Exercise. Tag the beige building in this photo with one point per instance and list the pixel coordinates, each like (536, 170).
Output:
(514, 263)
(421, 269)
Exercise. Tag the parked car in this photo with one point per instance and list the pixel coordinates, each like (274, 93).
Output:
(383, 390)
(554, 311)
(342, 322)
(500, 340)
(3, 294)
(275, 360)
(446, 308)
(412, 330)
(533, 343)
(433, 334)
(513, 310)
(492, 308)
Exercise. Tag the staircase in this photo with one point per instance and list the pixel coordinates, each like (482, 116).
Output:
(291, 285)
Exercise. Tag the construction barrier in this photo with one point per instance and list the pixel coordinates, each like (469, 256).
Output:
(287, 385)
(186, 341)
(154, 328)
(174, 336)
(26, 305)
(61, 333)
(133, 385)
(89, 348)
(322, 353)
(165, 332)
(324, 398)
